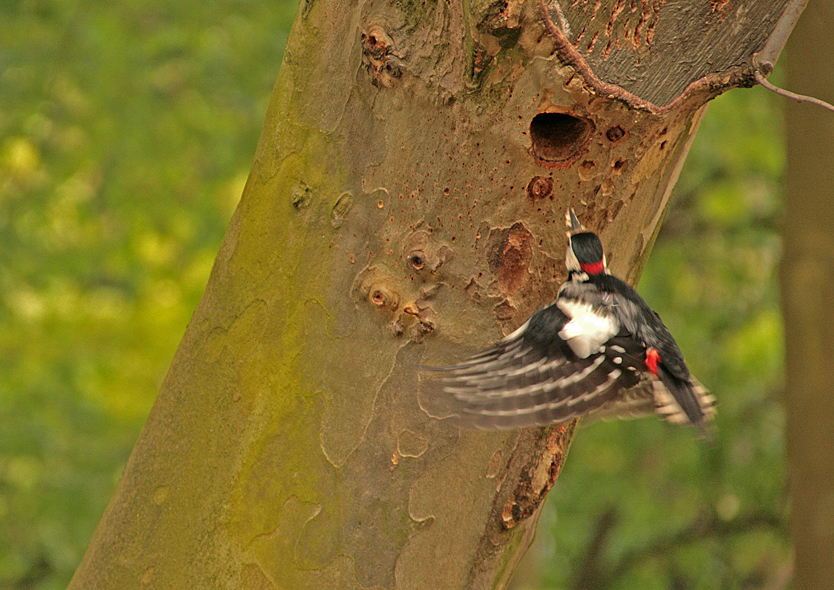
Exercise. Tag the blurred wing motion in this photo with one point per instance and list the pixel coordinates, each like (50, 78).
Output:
(533, 378)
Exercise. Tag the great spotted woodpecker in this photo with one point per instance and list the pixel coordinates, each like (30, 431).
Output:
(597, 349)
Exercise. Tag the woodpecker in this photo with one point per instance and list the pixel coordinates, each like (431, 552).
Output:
(597, 349)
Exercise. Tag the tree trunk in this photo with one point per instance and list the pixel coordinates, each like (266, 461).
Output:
(807, 293)
(405, 205)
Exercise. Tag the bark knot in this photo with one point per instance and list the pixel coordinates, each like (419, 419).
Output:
(379, 56)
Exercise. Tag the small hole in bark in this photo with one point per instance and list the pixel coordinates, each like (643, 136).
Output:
(559, 137)
(615, 133)
(619, 164)
(540, 187)
(417, 260)
(392, 70)
(384, 298)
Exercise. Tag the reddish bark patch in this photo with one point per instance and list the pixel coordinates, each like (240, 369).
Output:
(538, 476)
(509, 253)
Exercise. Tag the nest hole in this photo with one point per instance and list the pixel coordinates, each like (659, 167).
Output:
(559, 137)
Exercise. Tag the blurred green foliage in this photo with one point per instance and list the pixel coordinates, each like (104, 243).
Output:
(126, 134)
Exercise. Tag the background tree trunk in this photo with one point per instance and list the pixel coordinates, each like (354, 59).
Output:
(807, 291)
(406, 206)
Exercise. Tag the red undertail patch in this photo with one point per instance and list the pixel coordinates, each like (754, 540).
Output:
(652, 358)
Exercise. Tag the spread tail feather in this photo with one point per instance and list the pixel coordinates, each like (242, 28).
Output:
(680, 401)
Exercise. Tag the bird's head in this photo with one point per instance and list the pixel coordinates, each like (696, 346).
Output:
(584, 252)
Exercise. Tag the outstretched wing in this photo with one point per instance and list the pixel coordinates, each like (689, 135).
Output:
(533, 378)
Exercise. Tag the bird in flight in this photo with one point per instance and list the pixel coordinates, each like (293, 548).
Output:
(598, 349)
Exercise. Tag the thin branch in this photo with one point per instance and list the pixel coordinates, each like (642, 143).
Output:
(792, 95)
(590, 572)
(711, 528)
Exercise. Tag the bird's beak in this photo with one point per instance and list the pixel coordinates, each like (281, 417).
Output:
(572, 223)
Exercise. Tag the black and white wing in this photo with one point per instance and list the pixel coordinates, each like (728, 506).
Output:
(533, 378)
(679, 397)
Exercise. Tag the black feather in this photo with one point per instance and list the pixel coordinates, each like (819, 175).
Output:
(684, 395)
(586, 247)
(642, 322)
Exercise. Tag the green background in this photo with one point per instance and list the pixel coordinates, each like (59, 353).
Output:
(126, 134)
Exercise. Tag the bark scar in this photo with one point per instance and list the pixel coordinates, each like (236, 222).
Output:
(538, 476)
(709, 86)
(378, 50)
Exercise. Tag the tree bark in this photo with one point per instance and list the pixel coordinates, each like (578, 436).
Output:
(807, 292)
(406, 205)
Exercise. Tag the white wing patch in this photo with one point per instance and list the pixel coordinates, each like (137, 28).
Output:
(587, 330)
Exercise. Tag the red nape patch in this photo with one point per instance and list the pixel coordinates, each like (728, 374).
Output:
(652, 358)
(594, 268)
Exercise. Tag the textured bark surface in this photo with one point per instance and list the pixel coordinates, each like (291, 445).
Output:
(652, 49)
(405, 207)
(807, 292)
